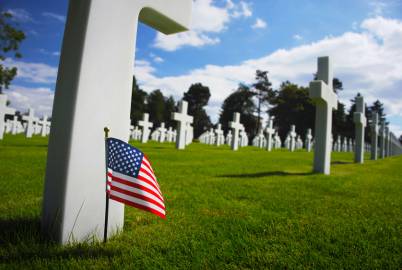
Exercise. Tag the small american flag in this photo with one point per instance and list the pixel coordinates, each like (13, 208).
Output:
(131, 180)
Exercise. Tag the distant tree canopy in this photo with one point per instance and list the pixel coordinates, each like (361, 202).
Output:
(156, 104)
(197, 97)
(400, 139)
(240, 101)
(138, 103)
(263, 91)
(292, 106)
(10, 39)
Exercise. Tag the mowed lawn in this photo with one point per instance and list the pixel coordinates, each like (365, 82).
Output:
(225, 210)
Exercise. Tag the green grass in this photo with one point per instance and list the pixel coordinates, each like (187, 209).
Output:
(246, 209)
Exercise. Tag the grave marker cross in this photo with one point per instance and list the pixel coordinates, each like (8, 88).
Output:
(183, 120)
(96, 32)
(4, 110)
(146, 126)
(30, 118)
(236, 126)
(321, 92)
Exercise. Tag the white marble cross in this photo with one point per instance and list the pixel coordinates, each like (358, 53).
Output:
(235, 125)
(309, 137)
(374, 136)
(45, 124)
(97, 32)
(386, 142)
(219, 135)
(360, 123)
(229, 137)
(323, 95)
(382, 139)
(269, 132)
(169, 134)
(183, 120)
(292, 135)
(4, 110)
(16, 124)
(162, 132)
(146, 126)
(30, 119)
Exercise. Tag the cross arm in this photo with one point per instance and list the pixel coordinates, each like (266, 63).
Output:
(170, 21)
(321, 93)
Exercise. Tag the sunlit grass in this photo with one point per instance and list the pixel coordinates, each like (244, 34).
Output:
(245, 209)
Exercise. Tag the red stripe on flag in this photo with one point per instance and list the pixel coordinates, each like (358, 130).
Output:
(142, 179)
(153, 178)
(139, 206)
(138, 196)
(134, 185)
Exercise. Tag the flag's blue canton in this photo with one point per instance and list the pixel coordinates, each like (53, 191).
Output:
(123, 158)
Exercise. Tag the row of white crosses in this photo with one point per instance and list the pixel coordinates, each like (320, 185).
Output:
(73, 193)
(31, 126)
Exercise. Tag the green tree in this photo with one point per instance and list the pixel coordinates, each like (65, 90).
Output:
(138, 103)
(339, 120)
(240, 101)
(263, 92)
(10, 39)
(292, 106)
(170, 107)
(156, 107)
(197, 97)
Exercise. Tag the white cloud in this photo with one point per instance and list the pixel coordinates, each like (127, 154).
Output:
(156, 58)
(297, 37)
(57, 17)
(20, 15)
(259, 24)
(208, 20)
(369, 61)
(22, 98)
(33, 72)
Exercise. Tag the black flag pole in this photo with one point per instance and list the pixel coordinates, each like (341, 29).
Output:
(106, 130)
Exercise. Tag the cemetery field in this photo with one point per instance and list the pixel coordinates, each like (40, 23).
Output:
(246, 209)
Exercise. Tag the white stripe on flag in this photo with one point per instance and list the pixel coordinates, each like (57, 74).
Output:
(137, 181)
(138, 201)
(146, 176)
(137, 191)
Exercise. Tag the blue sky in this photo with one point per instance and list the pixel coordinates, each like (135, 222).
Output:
(228, 41)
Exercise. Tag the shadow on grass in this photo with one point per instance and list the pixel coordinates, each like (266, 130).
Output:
(265, 174)
(21, 242)
(341, 162)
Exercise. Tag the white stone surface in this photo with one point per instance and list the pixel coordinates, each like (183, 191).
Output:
(15, 125)
(292, 135)
(183, 129)
(30, 119)
(4, 110)
(322, 93)
(162, 132)
(146, 127)
(44, 125)
(308, 139)
(374, 136)
(95, 75)
(235, 125)
(360, 121)
(382, 139)
(269, 132)
(220, 139)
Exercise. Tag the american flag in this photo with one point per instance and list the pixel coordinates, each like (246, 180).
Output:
(131, 179)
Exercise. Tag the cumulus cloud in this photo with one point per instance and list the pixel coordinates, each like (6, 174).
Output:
(368, 61)
(33, 72)
(207, 21)
(22, 98)
(259, 24)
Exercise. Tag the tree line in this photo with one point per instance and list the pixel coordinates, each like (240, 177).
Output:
(289, 104)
